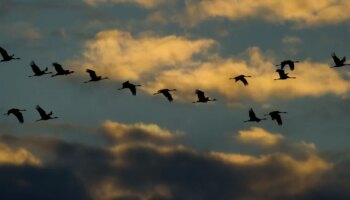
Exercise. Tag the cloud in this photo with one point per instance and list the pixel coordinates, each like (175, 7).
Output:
(123, 56)
(144, 3)
(300, 13)
(24, 31)
(291, 40)
(259, 136)
(17, 156)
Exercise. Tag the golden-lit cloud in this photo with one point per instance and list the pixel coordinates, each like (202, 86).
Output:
(302, 13)
(123, 56)
(144, 3)
(17, 156)
(259, 136)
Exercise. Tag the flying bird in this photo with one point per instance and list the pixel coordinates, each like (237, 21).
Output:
(289, 63)
(37, 71)
(17, 113)
(253, 117)
(275, 115)
(5, 56)
(338, 62)
(202, 98)
(93, 76)
(130, 86)
(241, 78)
(283, 75)
(44, 116)
(166, 93)
(60, 71)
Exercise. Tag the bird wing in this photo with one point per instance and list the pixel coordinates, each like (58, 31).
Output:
(200, 94)
(167, 95)
(336, 59)
(281, 73)
(252, 114)
(92, 73)
(18, 114)
(58, 67)
(244, 80)
(278, 118)
(291, 65)
(3, 52)
(35, 68)
(343, 60)
(41, 111)
(132, 88)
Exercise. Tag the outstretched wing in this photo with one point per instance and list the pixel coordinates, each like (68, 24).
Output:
(3, 52)
(200, 94)
(244, 80)
(19, 115)
(336, 59)
(58, 67)
(167, 95)
(35, 68)
(92, 73)
(281, 72)
(343, 60)
(278, 118)
(41, 111)
(132, 88)
(252, 114)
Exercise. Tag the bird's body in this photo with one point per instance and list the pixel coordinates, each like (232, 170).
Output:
(338, 62)
(60, 71)
(6, 57)
(93, 76)
(37, 71)
(44, 116)
(283, 75)
(253, 117)
(130, 86)
(166, 93)
(202, 98)
(241, 78)
(275, 115)
(289, 63)
(16, 112)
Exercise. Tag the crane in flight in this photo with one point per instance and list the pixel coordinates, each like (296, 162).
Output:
(6, 57)
(93, 76)
(44, 116)
(275, 115)
(283, 75)
(166, 93)
(289, 63)
(130, 86)
(338, 62)
(60, 71)
(17, 113)
(241, 78)
(202, 98)
(253, 117)
(37, 71)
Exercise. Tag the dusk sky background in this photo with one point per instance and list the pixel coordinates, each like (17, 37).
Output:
(110, 145)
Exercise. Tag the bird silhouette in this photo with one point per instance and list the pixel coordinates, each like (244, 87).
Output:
(253, 117)
(241, 78)
(275, 115)
(290, 63)
(60, 71)
(166, 93)
(37, 71)
(283, 75)
(338, 62)
(93, 76)
(44, 116)
(5, 56)
(202, 98)
(130, 86)
(17, 113)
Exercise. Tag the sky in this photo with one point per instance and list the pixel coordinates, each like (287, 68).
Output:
(110, 145)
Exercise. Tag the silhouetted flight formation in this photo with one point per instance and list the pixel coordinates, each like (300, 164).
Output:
(60, 71)
(93, 76)
(5, 56)
(290, 63)
(202, 98)
(283, 75)
(241, 78)
(44, 116)
(166, 93)
(253, 117)
(275, 115)
(338, 62)
(17, 113)
(37, 71)
(130, 86)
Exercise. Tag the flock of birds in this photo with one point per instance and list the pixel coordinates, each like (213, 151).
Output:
(202, 98)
